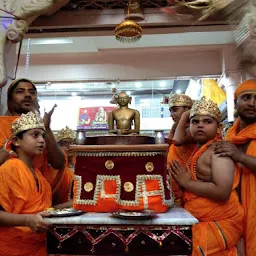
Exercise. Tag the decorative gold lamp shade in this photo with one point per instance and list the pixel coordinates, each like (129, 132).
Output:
(128, 31)
(134, 11)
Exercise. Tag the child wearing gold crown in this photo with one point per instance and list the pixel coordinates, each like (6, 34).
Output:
(209, 185)
(62, 192)
(24, 192)
(178, 104)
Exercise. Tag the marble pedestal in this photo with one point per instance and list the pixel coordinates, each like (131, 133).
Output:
(101, 234)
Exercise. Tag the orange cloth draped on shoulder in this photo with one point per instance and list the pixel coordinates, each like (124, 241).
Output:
(248, 182)
(61, 182)
(5, 124)
(182, 155)
(20, 195)
(220, 222)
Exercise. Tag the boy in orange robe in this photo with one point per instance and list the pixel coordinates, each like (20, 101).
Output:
(209, 187)
(241, 147)
(62, 182)
(178, 103)
(24, 192)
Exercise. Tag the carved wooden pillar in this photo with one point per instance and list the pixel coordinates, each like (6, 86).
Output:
(15, 17)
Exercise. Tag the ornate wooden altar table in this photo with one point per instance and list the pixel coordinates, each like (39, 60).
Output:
(101, 234)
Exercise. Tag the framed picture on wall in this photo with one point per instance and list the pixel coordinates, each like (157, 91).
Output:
(94, 117)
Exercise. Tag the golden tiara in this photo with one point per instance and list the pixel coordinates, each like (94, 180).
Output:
(179, 100)
(206, 107)
(31, 120)
(66, 134)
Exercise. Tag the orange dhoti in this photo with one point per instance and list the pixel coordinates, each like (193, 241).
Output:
(248, 183)
(20, 195)
(220, 222)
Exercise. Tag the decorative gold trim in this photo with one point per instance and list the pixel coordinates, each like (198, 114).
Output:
(206, 107)
(128, 186)
(65, 134)
(149, 167)
(169, 186)
(88, 186)
(140, 191)
(28, 121)
(118, 186)
(180, 100)
(122, 228)
(128, 31)
(104, 154)
(109, 164)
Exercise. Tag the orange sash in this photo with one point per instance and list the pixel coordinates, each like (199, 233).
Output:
(248, 183)
(182, 155)
(61, 183)
(19, 194)
(220, 223)
(5, 125)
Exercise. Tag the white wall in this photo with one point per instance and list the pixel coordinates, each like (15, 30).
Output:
(67, 112)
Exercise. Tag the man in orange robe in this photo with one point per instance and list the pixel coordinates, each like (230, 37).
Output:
(241, 147)
(209, 190)
(178, 103)
(24, 192)
(22, 98)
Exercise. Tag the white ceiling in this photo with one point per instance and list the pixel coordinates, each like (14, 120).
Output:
(98, 43)
(94, 44)
(99, 88)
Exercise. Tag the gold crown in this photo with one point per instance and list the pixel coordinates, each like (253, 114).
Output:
(206, 107)
(66, 133)
(25, 122)
(180, 100)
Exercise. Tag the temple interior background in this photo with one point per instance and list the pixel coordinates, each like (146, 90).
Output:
(77, 63)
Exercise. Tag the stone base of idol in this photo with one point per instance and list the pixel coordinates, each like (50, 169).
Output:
(102, 234)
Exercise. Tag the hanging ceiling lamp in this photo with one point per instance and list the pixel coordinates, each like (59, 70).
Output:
(128, 31)
(134, 11)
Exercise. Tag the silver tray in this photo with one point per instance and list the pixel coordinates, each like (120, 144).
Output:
(133, 215)
(66, 212)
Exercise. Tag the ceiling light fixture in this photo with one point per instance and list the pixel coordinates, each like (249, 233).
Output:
(133, 11)
(128, 31)
(162, 83)
(41, 41)
(138, 84)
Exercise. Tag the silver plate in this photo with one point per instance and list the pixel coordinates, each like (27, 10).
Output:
(66, 212)
(133, 215)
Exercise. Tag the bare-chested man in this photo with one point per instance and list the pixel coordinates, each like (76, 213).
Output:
(241, 147)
